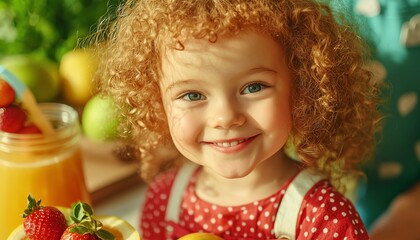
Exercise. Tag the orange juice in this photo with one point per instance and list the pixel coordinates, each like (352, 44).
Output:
(47, 167)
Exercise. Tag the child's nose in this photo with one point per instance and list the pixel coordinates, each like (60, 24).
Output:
(226, 115)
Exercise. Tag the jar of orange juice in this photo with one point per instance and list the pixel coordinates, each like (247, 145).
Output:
(49, 167)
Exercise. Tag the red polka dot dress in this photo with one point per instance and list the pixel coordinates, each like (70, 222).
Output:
(323, 214)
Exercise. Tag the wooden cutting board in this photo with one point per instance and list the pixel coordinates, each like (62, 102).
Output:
(105, 173)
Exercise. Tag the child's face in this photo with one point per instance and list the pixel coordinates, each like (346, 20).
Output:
(227, 103)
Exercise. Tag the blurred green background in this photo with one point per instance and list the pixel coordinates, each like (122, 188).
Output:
(48, 28)
(43, 43)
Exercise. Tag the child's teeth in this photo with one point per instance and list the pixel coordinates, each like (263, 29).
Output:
(229, 144)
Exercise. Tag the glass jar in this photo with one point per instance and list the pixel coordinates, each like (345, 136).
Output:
(48, 167)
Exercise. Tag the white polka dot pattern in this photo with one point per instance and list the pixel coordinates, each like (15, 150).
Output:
(325, 214)
(335, 216)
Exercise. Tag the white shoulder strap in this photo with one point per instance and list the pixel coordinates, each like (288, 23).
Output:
(287, 214)
(178, 188)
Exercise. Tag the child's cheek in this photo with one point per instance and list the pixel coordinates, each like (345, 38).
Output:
(185, 127)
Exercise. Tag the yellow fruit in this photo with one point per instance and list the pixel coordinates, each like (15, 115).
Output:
(76, 70)
(121, 229)
(40, 76)
(100, 119)
(200, 236)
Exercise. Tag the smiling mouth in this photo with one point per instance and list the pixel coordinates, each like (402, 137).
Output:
(230, 143)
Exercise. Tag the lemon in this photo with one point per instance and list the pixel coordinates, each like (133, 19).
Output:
(76, 70)
(200, 236)
(121, 229)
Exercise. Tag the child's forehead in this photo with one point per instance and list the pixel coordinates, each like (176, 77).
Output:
(189, 40)
(229, 54)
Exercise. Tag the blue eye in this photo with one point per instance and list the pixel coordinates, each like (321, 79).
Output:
(193, 96)
(253, 87)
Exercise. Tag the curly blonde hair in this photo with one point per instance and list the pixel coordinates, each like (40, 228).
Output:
(334, 103)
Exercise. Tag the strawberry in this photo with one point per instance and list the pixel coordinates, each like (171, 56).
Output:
(29, 129)
(7, 93)
(85, 226)
(68, 235)
(12, 118)
(43, 222)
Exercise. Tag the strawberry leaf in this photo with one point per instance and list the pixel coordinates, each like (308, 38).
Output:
(85, 223)
(104, 235)
(80, 211)
(80, 229)
(89, 224)
(33, 205)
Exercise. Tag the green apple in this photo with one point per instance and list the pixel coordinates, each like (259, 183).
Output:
(40, 76)
(100, 119)
(76, 69)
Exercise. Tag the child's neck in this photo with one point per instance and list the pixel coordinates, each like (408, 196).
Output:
(265, 180)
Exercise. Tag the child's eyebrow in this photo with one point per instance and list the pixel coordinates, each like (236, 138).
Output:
(181, 82)
(259, 69)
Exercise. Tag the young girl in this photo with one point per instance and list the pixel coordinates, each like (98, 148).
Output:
(229, 83)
